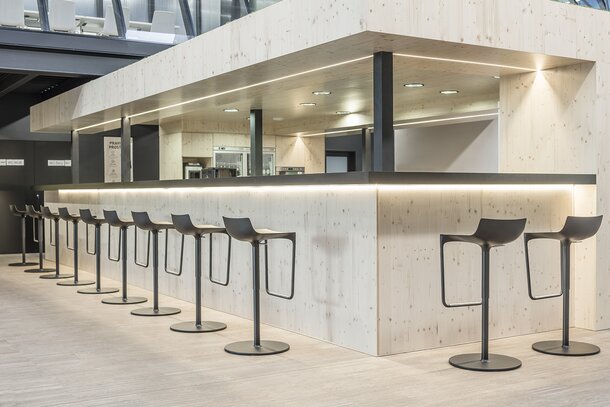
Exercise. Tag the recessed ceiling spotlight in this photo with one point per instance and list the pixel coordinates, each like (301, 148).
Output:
(231, 110)
(342, 112)
(321, 92)
(413, 85)
(449, 92)
(496, 76)
(308, 104)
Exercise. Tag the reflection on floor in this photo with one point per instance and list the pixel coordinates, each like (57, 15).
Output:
(58, 348)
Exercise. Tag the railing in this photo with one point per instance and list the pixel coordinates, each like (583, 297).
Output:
(596, 4)
(163, 21)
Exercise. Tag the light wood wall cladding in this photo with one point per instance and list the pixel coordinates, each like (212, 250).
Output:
(368, 274)
(336, 297)
(547, 121)
(486, 30)
(411, 315)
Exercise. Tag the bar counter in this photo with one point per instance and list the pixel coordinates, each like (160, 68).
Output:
(368, 268)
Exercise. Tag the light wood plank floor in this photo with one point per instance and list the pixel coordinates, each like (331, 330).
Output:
(58, 348)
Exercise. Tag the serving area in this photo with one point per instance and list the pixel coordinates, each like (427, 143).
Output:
(367, 252)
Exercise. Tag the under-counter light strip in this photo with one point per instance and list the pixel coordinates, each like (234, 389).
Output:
(336, 188)
(398, 125)
(463, 61)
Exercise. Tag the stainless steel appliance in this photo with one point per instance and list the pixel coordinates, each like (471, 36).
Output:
(290, 170)
(213, 172)
(192, 170)
(238, 158)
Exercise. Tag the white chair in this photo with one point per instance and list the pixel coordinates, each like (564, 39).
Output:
(11, 13)
(163, 22)
(110, 27)
(62, 15)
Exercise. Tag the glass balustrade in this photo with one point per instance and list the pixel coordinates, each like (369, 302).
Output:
(161, 21)
(597, 4)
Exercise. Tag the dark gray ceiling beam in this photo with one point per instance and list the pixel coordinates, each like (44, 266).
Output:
(16, 84)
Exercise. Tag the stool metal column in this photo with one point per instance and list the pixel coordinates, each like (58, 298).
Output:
(89, 219)
(490, 233)
(142, 221)
(22, 215)
(54, 217)
(113, 220)
(39, 220)
(69, 218)
(241, 229)
(183, 224)
(574, 230)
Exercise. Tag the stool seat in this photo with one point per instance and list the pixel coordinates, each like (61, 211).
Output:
(32, 213)
(184, 225)
(67, 216)
(89, 219)
(47, 214)
(575, 229)
(112, 218)
(16, 211)
(142, 221)
(490, 233)
(242, 229)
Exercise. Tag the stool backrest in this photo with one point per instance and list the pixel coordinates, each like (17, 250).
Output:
(142, 220)
(183, 224)
(112, 218)
(65, 214)
(30, 211)
(499, 231)
(87, 217)
(240, 229)
(46, 212)
(581, 227)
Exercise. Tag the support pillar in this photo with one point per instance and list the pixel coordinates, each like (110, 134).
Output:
(43, 15)
(125, 149)
(119, 17)
(256, 142)
(75, 157)
(383, 101)
(366, 149)
(187, 18)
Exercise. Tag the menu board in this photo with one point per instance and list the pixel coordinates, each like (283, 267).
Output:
(112, 159)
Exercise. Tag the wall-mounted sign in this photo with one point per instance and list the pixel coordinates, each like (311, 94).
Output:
(2, 162)
(112, 159)
(15, 162)
(55, 163)
(67, 163)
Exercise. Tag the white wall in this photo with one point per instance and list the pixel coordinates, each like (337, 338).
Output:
(462, 147)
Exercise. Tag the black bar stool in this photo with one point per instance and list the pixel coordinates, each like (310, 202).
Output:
(89, 219)
(22, 215)
(490, 233)
(142, 221)
(54, 218)
(574, 230)
(113, 220)
(71, 218)
(183, 224)
(241, 229)
(38, 220)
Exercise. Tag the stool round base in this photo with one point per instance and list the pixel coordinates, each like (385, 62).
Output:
(151, 312)
(39, 271)
(75, 283)
(56, 276)
(190, 327)
(247, 348)
(126, 301)
(574, 349)
(495, 363)
(27, 263)
(98, 290)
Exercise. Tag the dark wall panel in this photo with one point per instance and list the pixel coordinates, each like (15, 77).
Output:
(91, 158)
(347, 144)
(145, 153)
(49, 150)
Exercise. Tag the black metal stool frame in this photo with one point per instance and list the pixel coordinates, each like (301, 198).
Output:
(38, 221)
(54, 218)
(183, 224)
(242, 229)
(484, 361)
(88, 219)
(575, 230)
(143, 222)
(68, 218)
(23, 216)
(113, 220)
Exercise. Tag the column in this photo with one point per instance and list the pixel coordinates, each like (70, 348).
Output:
(75, 157)
(125, 149)
(256, 142)
(383, 121)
